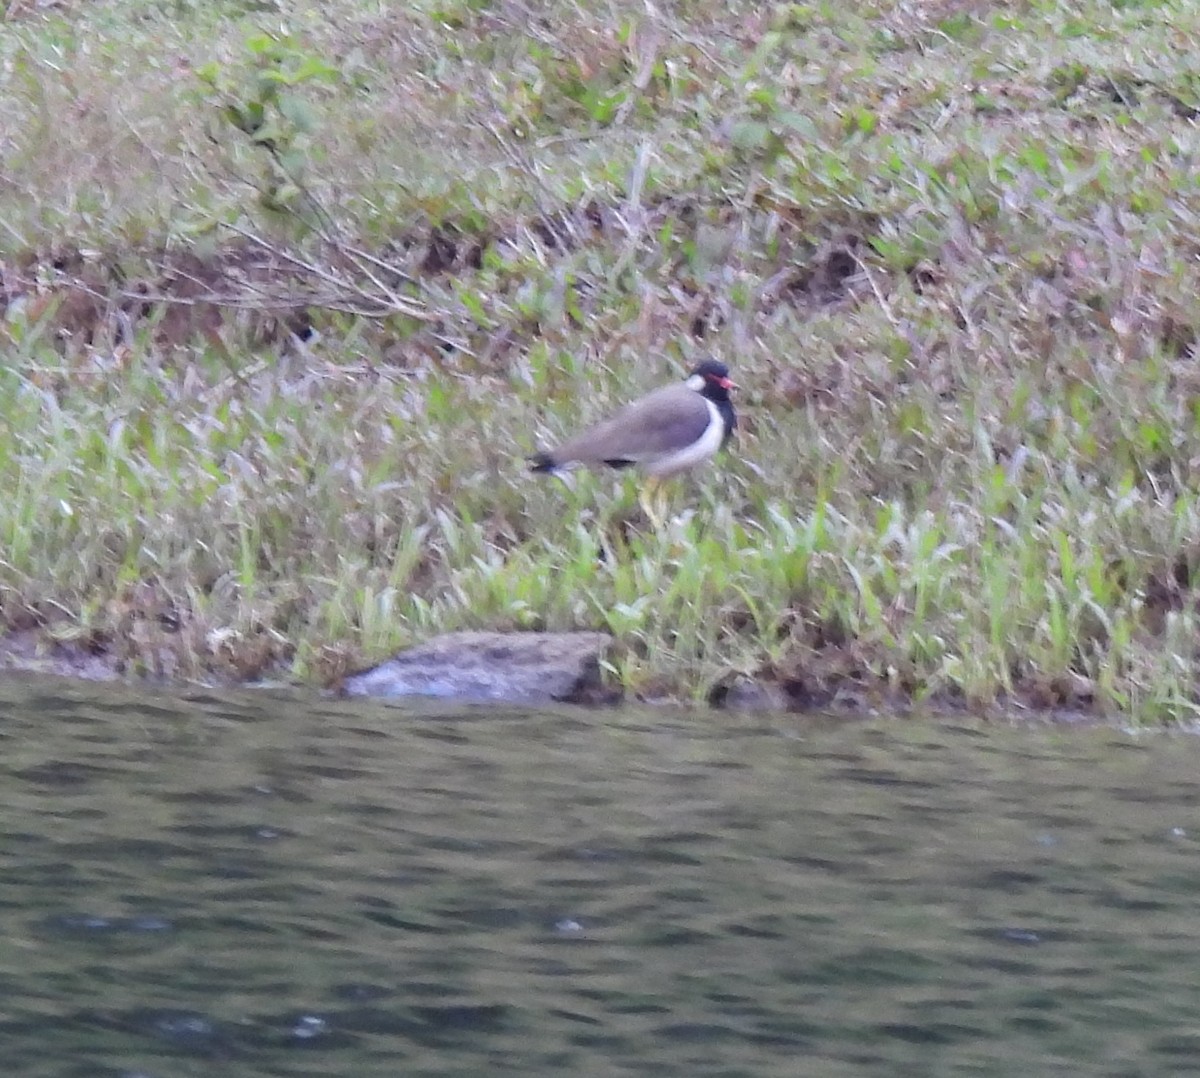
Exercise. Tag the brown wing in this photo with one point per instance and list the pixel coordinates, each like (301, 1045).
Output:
(659, 423)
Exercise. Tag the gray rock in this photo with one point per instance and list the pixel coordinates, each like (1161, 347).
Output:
(508, 668)
(746, 694)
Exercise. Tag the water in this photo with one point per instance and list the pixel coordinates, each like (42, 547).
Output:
(273, 885)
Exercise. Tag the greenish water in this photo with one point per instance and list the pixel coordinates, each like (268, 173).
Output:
(271, 885)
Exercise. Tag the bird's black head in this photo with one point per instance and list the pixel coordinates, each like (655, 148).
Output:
(711, 379)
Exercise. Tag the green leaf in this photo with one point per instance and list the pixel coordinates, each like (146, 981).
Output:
(293, 162)
(799, 124)
(314, 68)
(209, 73)
(298, 113)
(750, 135)
(260, 43)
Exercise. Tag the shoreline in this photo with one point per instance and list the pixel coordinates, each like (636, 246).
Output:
(22, 654)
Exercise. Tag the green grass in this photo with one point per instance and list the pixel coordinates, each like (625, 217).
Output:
(950, 251)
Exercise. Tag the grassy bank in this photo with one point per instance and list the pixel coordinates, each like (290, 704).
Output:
(951, 250)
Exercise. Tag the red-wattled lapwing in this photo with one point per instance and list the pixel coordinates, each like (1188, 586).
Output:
(663, 433)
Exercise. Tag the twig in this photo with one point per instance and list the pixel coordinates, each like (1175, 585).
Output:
(396, 303)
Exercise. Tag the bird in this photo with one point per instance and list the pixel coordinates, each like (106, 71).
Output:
(669, 431)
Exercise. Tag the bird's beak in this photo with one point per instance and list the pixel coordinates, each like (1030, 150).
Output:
(726, 383)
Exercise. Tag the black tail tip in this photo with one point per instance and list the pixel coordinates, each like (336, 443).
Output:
(541, 462)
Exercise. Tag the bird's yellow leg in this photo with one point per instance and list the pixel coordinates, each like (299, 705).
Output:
(646, 500)
(663, 504)
(653, 500)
